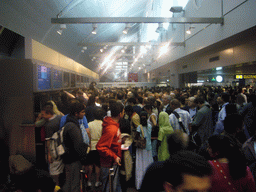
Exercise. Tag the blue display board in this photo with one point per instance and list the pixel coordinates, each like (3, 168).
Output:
(66, 79)
(44, 77)
(73, 80)
(57, 79)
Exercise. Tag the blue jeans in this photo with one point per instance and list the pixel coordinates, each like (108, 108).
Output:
(154, 148)
(116, 179)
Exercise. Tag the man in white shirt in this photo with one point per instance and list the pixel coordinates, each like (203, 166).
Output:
(192, 107)
(166, 104)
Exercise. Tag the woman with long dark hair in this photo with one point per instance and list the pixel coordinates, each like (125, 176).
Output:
(230, 172)
(143, 156)
(152, 120)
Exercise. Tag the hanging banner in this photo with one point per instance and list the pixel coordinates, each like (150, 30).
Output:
(133, 77)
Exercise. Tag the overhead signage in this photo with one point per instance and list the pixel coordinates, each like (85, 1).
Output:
(239, 76)
(249, 76)
(215, 78)
(219, 78)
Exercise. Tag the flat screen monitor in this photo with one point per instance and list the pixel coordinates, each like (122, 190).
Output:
(66, 80)
(73, 80)
(44, 77)
(78, 78)
(57, 79)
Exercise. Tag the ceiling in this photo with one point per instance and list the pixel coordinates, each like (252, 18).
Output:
(33, 19)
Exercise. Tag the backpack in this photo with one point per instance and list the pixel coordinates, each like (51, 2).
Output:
(57, 147)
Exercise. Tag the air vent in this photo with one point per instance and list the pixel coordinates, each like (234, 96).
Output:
(214, 59)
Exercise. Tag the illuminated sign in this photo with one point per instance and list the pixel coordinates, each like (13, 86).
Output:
(239, 76)
(215, 78)
(249, 76)
(219, 78)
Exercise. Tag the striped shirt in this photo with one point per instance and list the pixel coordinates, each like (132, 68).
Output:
(185, 118)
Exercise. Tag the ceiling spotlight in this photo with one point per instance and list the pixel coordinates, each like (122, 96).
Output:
(101, 50)
(62, 27)
(160, 28)
(176, 9)
(123, 51)
(189, 30)
(94, 29)
(84, 48)
(59, 31)
(127, 27)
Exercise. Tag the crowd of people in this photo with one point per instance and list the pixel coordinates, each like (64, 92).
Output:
(196, 139)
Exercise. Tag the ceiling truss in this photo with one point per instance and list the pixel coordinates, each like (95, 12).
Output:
(130, 44)
(181, 20)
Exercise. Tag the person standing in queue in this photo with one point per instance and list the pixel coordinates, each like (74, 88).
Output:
(109, 146)
(76, 148)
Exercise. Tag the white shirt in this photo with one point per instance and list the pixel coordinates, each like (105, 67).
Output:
(164, 109)
(95, 128)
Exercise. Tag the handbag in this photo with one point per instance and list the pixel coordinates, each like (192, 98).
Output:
(140, 140)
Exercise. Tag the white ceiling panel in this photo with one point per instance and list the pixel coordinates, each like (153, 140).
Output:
(32, 18)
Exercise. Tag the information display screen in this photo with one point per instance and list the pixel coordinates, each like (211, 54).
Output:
(66, 79)
(82, 79)
(44, 77)
(78, 78)
(73, 80)
(57, 79)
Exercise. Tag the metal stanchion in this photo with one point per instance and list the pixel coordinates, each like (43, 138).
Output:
(111, 179)
(82, 180)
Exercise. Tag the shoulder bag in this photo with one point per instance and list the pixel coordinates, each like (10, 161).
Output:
(140, 140)
(194, 137)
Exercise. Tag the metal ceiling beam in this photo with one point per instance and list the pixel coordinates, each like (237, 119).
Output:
(129, 44)
(88, 20)
(118, 55)
(140, 60)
